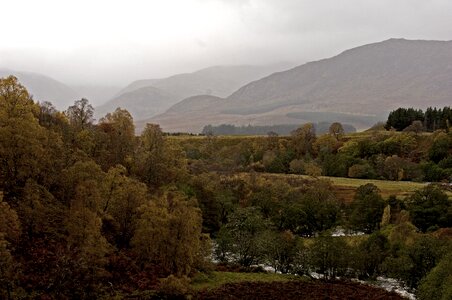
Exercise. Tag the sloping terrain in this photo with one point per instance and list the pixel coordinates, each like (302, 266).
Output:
(44, 88)
(367, 79)
(359, 86)
(218, 81)
(144, 102)
(96, 94)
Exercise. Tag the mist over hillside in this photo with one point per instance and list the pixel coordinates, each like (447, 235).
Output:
(218, 81)
(96, 94)
(359, 86)
(44, 88)
(61, 95)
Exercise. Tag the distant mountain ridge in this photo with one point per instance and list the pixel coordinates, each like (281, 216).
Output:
(44, 88)
(96, 94)
(358, 86)
(141, 103)
(219, 81)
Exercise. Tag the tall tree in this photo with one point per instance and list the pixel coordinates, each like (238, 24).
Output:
(159, 161)
(336, 130)
(88, 249)
(370, 254)
(80, 114)
(366, 209)
(151, 160)
(120, 132)
(169, 233)
(430, 208)
(21, 137)
(303, 138)
(242, 236)
(320, 207)
(123, 197)
(328, 256)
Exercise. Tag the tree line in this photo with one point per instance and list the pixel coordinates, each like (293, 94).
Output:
(227, 129)
(412, 119)
(374, 154)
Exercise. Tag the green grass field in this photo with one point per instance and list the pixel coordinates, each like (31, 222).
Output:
(387, 187)
(396, 187)
(345, 187)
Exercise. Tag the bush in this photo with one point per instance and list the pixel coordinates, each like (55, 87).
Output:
(312, 169)
(173, 287)
(430, 208)
(438, 283)
(361, 171)
(296, 166)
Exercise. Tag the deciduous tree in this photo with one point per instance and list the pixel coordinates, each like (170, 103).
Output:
(121, 201)
(21, 137)
(336, 130)
(80, 114)
(430, 208)
(366, 209)
(169, 233)
(303, 139)
(120, 132)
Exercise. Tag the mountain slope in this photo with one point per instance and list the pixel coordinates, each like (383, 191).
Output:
(358, 86)
(137, 84)
(219, 81)
(201, 107)
(380, 75)
(96, 94)
(44, 88)
(141, 103)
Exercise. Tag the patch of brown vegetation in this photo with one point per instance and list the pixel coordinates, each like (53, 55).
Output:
(313, 290)
(345, 194)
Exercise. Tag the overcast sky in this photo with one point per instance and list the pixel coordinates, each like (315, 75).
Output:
(114, 42)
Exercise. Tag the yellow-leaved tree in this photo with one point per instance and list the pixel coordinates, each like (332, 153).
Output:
(21, 137)
(120, 207)
(169, 233)
(159, 161)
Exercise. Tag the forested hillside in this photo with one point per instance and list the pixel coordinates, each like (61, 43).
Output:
(92, 211)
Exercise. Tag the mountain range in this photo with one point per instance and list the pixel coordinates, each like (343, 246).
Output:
(359, 87)
(148, 97)
(44, 88)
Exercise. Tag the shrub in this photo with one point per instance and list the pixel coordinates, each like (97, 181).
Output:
(173, 287)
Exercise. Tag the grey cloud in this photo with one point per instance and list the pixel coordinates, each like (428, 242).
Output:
(255, 32)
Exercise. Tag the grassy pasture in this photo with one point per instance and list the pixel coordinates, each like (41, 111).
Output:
(345, 187)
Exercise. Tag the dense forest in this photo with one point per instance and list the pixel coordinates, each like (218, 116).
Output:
(92, 211)
(411, 119)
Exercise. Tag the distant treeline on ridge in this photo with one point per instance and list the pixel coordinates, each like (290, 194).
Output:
(430, 120)
(284, 129)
